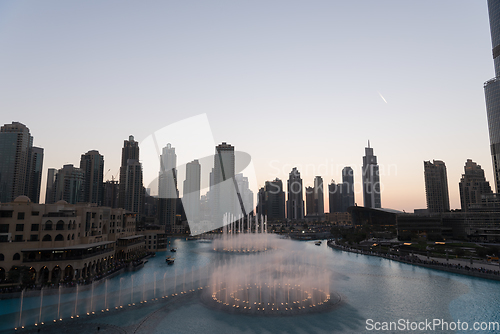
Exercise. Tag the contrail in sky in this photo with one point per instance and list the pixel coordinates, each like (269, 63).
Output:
(382, 97)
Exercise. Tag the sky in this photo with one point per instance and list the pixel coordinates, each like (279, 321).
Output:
(291, 83)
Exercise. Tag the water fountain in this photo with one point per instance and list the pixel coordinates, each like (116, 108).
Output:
(76, 301)
(59, 305)
(21, 311)
(284, 282)
(41, 304)
(234, 240)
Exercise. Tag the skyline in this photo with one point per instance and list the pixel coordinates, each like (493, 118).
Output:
(325, 77)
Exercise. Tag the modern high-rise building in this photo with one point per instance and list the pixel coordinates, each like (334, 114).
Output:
(50, 190)
(492, 91)
(167, 188)
(295, 202)
(134, 189)
(272, 200)
(35, 174)
(223, 186)
(371, 180)
(92, 164)
(335, 197)
(130, 151)
(319, 197)
(472, 185)
(191, 191)
(20, 163)
(347, 188)
(167, 179)
(310, 205)
(110, 197)
(69, 184)
(131, 189)
(436, 186)
(244, 194)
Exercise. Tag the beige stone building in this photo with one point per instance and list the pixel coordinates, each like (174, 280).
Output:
(65, 242)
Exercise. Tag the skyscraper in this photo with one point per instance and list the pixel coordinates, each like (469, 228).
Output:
(92, 164)
(130, 151)
(310, 205)
(295, 202)
(472, 185)
(347, 188)
(436, 186)
(272, 200)
(335, 197)
(245, 195)
(134, 190)
(18, 175)
(371, 180)
(191, 191)
(319, 197)
(131, 189)
(167, 179)
(50, 190)
(224, 185)
(110, 196)
(35, 174)
(492, 91)
(69, 184)
(167, 188)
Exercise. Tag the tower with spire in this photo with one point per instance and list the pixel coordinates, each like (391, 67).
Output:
(371, 179)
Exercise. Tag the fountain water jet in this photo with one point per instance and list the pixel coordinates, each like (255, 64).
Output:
(284, 282)
(41, 303)
(21, 310)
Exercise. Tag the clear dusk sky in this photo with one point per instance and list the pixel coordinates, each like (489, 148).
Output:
(292, 83)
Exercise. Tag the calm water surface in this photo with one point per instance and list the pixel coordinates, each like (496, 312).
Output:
(371, 288)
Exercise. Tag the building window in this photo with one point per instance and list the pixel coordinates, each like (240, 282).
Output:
(2, 257)
(35, 213)
(5, 213)
(19, 227)
(47, 237)
(34, 237)
(16, 257)
(60, 225)
(20, 215)
(59, 237)
(4, 228)
(35, 227)
(48, 226)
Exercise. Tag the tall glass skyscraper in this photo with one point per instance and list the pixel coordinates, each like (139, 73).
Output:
(295, 202)
(20, 163)
(492, 91)
(371, 180)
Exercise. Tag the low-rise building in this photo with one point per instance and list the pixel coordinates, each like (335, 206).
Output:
(65, 242)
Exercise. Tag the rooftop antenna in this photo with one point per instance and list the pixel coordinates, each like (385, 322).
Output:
(368, 143)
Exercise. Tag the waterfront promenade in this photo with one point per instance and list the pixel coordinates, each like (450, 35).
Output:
(457, 265)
